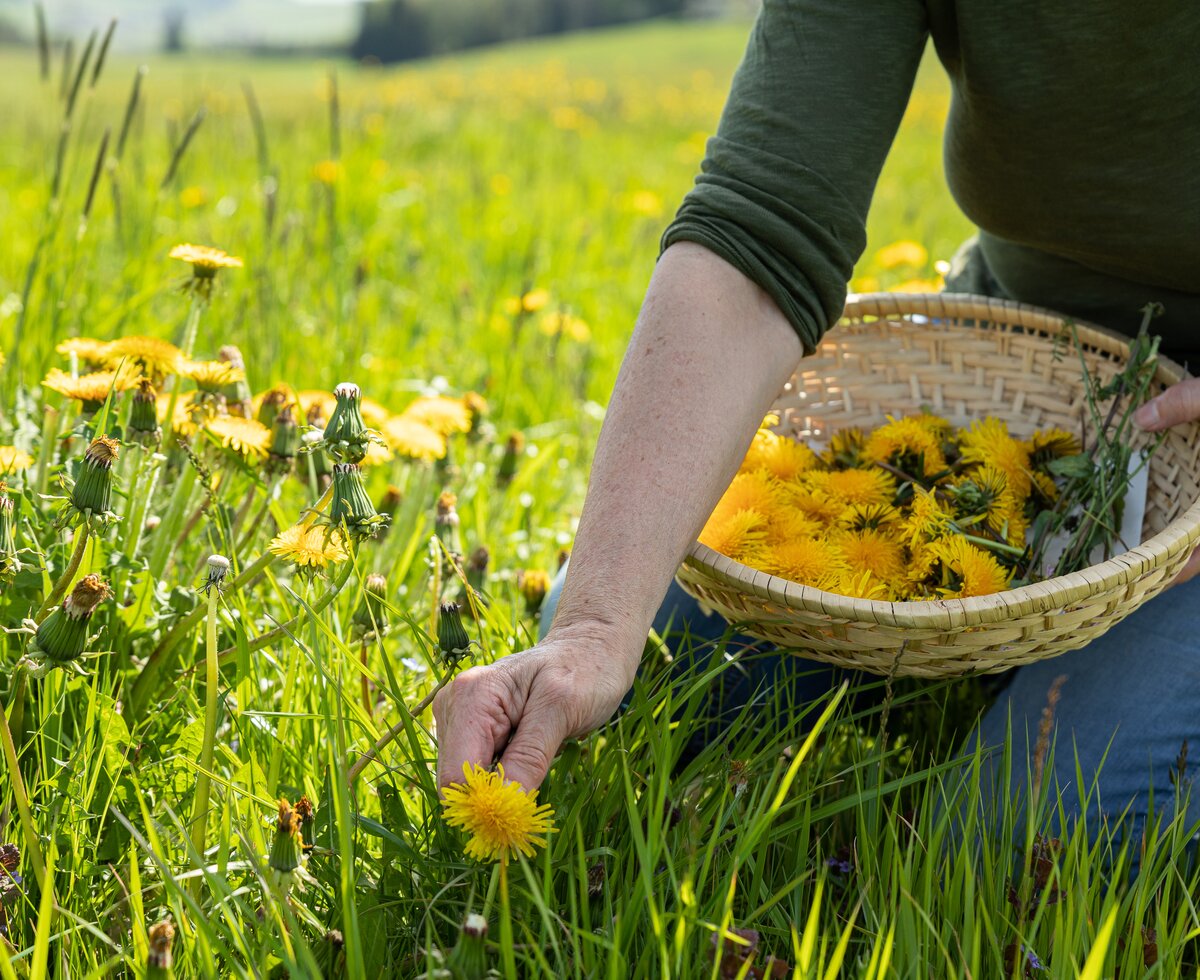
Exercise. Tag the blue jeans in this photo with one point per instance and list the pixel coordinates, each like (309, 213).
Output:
(1130, 700)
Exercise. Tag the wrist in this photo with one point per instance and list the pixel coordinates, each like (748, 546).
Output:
(614, 640)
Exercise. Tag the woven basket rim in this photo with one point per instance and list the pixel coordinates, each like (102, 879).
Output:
(1050, 593)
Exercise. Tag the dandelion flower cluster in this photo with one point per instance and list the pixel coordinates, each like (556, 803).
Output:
(502, 819)
(915, 509)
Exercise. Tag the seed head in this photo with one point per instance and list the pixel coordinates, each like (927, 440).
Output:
(218, 568)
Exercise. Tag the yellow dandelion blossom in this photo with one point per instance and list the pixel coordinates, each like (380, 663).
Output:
(861, 518)
(863, 585)
(529, 302)
(91, 389)
(983, 496)
(928, 519)
(414, 439)
(788, 525)
(14, 460)
(972, 571)
(188, 414)
(906, 253)
(327, 172)
(444, 415)
(205, 260)
(810, 561)
(781, 457)
(988, 442)
(739, 536)
(874, 551)
(861, 487)
(374, 413)
(1044, 485)
(310, 547)
(846, 449)
(155, 357)
(84, 348)
(749, 491)
(907, 445)
(310, 398)
(377, 455)
(810, 498)
(935, 424)
(502, 819)
(249, 438)
(1051, 444)
(211, 375)
(557, 323)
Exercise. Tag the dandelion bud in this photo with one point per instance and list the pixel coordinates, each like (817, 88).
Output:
(477, 566)
(513, 449)
(92, 493)
(331, 956)
(63, 634)
(478, 407)
(143, 416)
(218, 568)
(311, 446)
(468, 959)
(285, 439)
(160, 960)
(453, 642)
(272, 404)
(371, 613)
(346, 439)
(445, 522)
(287, 846)
(533, 584)
(10, 563)
(393, 497)
(308, 823)
(351, 505)
(237, 391)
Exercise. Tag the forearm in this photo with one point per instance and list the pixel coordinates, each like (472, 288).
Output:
(709, 353)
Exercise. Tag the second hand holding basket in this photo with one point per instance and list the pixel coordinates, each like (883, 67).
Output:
(964, 358)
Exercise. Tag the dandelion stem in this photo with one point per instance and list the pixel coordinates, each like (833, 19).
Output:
(60, 587)
(369, 756)
(32, 844)
(203, 780)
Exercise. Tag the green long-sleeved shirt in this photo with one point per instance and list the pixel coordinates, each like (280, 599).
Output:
(1073, 142)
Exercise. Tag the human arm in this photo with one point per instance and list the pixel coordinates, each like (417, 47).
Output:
(1178, 404)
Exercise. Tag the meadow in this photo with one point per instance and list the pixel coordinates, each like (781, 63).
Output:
(468, 242)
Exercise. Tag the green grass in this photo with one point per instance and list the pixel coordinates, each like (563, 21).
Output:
(458, 185)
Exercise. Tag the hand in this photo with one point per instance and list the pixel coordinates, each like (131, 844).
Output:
(523, 706)
(1178, 404)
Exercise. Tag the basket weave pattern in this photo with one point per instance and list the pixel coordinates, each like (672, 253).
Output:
(962, 357)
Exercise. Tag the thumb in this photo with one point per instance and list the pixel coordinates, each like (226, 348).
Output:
(534, 742)
(1179, 403)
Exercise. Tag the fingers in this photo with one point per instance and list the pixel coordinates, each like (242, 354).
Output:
(1179, 403)
(536, 741)
(472, 715)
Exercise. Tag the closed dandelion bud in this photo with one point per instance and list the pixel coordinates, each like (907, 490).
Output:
(272, 404)
(285, 439)
(393, 496)
(92, 493)
(308, 823)
(218, 567)
(371, 613)
(468, 959)
(533, 584)
(346, 439)
(288, 845)
(453, 642)
(10, 563)
(143, 416)
(311, 443)
(513, 449)
(477, 566)
(236, 392)
(63, 634)
(351, 505)
(478, 408)
(160, 960)
(445, 523)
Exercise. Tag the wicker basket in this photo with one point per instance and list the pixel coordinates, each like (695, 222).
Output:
(964, 357)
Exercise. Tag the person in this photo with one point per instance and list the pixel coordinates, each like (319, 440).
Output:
(1073, 143)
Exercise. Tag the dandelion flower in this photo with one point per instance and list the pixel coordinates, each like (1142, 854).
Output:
(809, 561)
(84, 348)
(443, 415)
(377, 455)
(847, 448)
(905, 253)
(749, 491)
(809, 497)
(972, 571)
(787, 525)
(1051, 444)
(988, 442)
(14, 460)
(860, 518)
(927, 520)
(781, 457)
(188, 413)
(91, 389)
(908, 445)
(556, 323)
(155, 357)
(411, 438)
(875, 551)
(503, 820)
(205, 260)
(373, 413)
(862, 585)
(310, 547)
(323, 401)
(529, 302)
(738, 535)
(861, 487)
(212, 376)
(249, 438)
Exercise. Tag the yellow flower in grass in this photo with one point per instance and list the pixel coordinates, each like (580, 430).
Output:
(414, 439)
(310, 547)
(810, 561)
(877, 552)
(188, 414)
(373, 413)
(444, 415)
(861, 488)
(310, 397)
(211, 375)
(781, 457)
(529, 302)
(738, 535)
(85, 349)
(205, 260)
(377, 455)
(556, 323)
(908, 445)
(988, 442)
(249, 438)
(14, 460)
(906, 253)
(502, 819)
(156, 357)
(969, 570)
(91, 389)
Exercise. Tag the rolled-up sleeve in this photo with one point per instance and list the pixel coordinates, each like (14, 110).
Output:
(786, 182)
